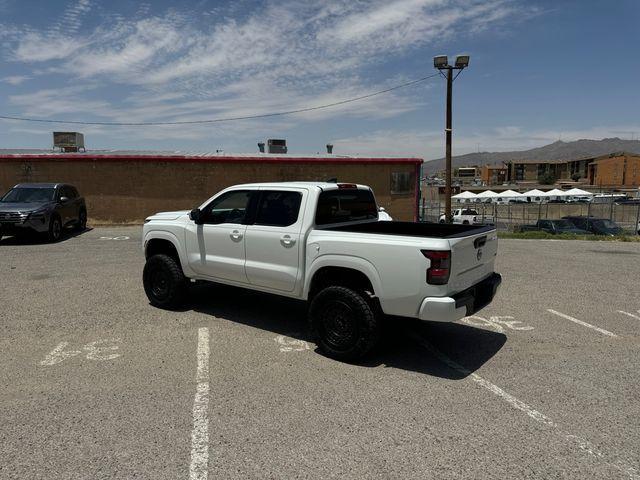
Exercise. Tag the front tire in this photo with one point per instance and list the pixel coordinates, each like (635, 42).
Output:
(164, 282)
(344, 323)
(55, 229)
(81, 226)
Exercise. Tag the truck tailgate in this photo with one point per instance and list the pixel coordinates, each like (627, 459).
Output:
(472, 259)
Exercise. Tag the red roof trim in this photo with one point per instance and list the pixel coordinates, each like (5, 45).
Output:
(216, 159)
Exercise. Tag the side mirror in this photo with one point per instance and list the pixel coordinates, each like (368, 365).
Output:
(196, 216)
(64, 199)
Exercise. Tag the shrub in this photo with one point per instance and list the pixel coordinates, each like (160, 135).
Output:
(547, 179)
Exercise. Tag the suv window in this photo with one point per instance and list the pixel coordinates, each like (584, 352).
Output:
(579, 222)
(66, 191)
(469, 212)
(345, 205)
(230, 207)
(278, 208)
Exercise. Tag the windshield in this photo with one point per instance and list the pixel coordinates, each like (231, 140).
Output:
(29, 195)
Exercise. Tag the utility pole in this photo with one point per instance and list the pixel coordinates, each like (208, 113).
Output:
(441, 62)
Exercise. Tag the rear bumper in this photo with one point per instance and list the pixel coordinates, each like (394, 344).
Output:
(462, 304)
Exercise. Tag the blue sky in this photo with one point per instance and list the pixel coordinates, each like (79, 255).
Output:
(540, 71)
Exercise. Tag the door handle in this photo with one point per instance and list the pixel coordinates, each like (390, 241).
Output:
(235, 235)
(287, 241)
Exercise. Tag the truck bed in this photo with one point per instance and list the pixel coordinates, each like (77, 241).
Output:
(424, 229)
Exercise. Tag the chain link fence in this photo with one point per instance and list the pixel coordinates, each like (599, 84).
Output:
(512, 216)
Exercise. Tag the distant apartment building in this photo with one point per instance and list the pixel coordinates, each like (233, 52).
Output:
(532, 170)
(468, 172)
(617, 169)
(494, 174)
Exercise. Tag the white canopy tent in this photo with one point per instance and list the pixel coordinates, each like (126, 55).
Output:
(508, 194)
(465, 196)
(555, 194)
(577, 192)
(534, 195)
(486, 196)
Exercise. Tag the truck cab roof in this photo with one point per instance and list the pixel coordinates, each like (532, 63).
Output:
(320, 185)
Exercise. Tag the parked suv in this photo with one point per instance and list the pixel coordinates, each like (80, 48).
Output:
(554, 227)
(597, 226)
(45, 208)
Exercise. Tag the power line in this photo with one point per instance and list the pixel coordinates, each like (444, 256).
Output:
(220, 120)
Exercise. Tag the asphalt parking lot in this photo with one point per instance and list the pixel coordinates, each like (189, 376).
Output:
(96, 383)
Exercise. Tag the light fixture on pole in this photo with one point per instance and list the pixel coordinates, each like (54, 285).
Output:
(441, 62)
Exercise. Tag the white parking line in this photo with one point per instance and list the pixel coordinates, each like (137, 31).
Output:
(630, 314)
(583, 444)
(198, 469)
(584, 324)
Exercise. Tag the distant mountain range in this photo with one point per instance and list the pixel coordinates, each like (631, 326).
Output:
(554, 151)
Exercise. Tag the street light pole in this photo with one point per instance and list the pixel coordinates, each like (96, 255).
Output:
(448, 132)
(441, 62)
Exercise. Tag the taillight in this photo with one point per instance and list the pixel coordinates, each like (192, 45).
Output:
(347, 185)
(440, 268)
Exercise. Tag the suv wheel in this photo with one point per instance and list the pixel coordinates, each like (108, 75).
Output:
(55, 229)
(81, 226)
(164, 282)
(344, 323)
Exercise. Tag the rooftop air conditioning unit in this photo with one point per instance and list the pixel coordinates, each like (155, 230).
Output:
(275, 145)
(68, 141)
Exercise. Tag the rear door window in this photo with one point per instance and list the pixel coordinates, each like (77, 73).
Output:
(346, 205)
(278, 208)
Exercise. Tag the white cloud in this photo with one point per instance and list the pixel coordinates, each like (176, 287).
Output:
(284, 55)
(15, 79)
(34, 47)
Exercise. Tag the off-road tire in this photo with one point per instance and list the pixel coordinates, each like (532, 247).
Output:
(55, 229)
(164, 283)
(81, 225)
(345, 324)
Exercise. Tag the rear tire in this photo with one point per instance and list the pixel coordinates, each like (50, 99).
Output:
(55, 229)
(164, 282)
(344, 323)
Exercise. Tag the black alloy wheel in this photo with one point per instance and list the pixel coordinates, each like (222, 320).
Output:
(55, 229)
(82, 221)
(344, 323)
(164, 282)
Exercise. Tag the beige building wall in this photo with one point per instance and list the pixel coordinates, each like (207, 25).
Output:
(121, 191)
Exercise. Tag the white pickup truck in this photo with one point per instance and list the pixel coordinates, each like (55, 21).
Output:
(464, 216)
(323, 243)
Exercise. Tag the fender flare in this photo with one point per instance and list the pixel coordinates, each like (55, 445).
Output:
(173, 239)
(344, 261)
